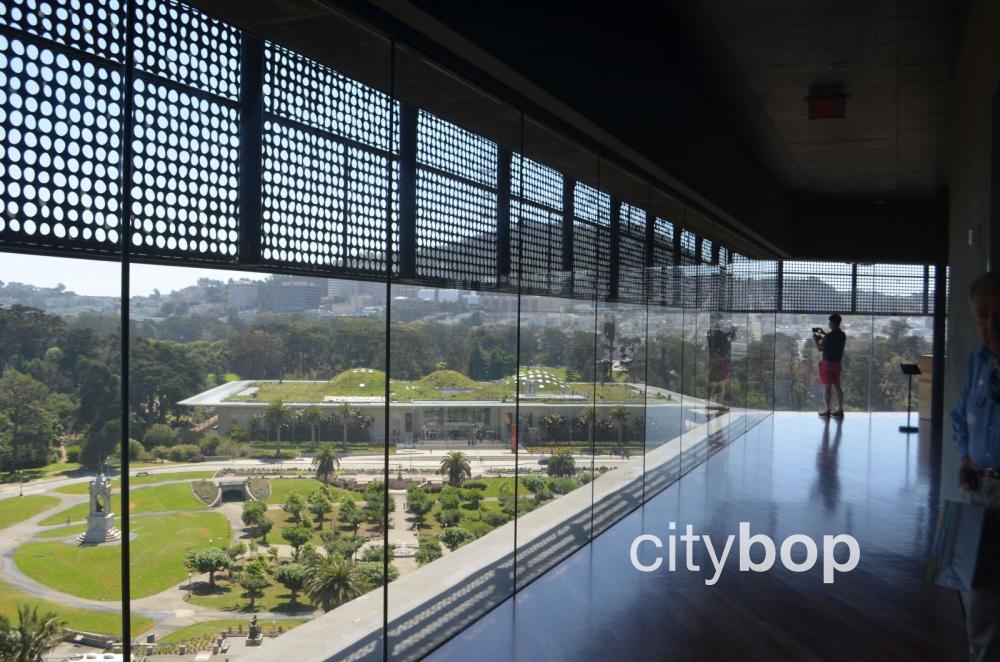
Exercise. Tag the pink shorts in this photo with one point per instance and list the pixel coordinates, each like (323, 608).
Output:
(829, 372)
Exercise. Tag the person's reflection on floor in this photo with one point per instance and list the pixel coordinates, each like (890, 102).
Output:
(827, 486)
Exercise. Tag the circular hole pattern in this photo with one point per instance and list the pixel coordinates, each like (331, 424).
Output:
(60, 131)
(184, 45)
(305, 91)
(94, 27)
(456, 229)
(184, 195)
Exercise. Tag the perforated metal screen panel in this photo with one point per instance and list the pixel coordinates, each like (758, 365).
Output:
(184, 177)
(60, 137)
(891, 288)
(303, 91)
(591, 241)
(329, 176)
(536, 226)
(328, 156)
(90, 27)
(631, 253)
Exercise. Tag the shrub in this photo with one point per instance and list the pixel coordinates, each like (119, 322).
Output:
(159, 434)
(495, 519)
(477, 528)
(563, 485)
(449, 517)
(455, 537)
(73, 454)
(209, 444)
(183, 453)
(374, 553)
(428, 550)
(474, 485)
(372, 572)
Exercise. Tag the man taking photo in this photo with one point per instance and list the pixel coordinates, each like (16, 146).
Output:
(831, 344)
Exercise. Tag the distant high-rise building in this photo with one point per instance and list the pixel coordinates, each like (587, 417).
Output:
(295, 296)
(243, 294)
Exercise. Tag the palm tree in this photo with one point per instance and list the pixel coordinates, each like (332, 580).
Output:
(561, 465)
(326, 462)
(345, 413)
(620, 416)
(277, 415)
(332, 581)
(456, 465)
(34, 635)
(313, 417)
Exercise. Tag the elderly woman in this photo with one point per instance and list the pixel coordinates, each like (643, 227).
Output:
(976, 424)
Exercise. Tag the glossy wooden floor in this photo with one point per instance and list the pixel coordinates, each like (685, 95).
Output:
(792, 474)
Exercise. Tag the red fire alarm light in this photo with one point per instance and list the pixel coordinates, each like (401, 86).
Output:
(827, 107)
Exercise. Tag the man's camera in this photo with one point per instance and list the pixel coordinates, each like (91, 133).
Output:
(818, 331)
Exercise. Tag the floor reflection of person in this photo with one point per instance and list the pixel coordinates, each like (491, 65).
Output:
(827, 469)
(976, 426)
(720, 371)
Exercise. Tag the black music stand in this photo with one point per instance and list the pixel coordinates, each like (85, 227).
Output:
(909, 369)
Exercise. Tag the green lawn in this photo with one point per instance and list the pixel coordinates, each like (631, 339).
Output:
(282, 487)
(157, 556)
(87, 620)
(493, 486)
(229, 596)
(18, 509)
(82, 488)
(439, 385)
(213, 628)
(147, 500)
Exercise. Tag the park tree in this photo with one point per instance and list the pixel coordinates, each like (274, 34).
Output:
(619, 416)
(456, 466)
(256, 354)
(346, 413)
(313, 417)
(98, 393)
(418, 504)
(294, 505)
(342, 546)
(210, 560)
(276, 416)
(326, 462)
(375, 554)
(32, 637)
(99, 444)
(455, 537)
(536, 486)
(332, 581)
(293, 577)
(561, 465)
(296, 536)
(255, 518)
(253, 584)
(350, 515)
(320, 504)
(30, 427)
(428, 549)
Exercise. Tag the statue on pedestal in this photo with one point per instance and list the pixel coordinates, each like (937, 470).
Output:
(100, 522)
(255, 636)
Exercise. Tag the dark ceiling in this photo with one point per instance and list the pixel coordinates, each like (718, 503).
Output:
(712, 93)
(755, 62)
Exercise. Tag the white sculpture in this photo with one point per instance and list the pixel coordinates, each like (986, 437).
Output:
(100, 521)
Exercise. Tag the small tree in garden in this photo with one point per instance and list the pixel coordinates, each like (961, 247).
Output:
(456, 466)
(253, 585)
(296, 536)
(320, 504)
(210, 560)
(429, 549)
(418, 504)
(294, 505)
(326, 461)
(293, 577)
(350, 515)
(561, 465)
(455, 537)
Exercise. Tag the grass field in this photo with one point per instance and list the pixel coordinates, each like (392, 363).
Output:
(439, 385)
(146, 500)
(152, 479)
(157, 557)
(87, 620)
(282, 487)
(229, 596)
(213, 628)
(18, 509)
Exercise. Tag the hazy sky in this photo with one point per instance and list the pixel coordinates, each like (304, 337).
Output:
(100, 278)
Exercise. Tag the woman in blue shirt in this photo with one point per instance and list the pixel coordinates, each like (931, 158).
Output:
(976, 425)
